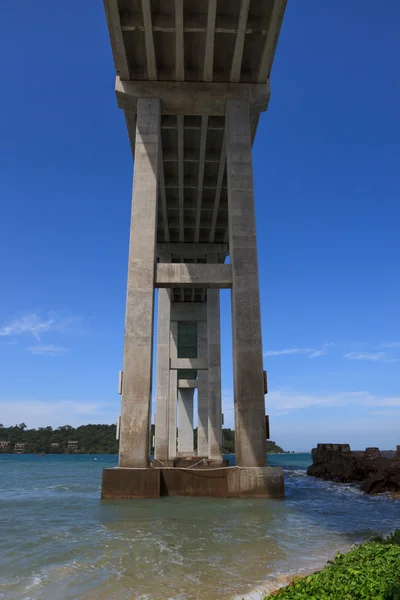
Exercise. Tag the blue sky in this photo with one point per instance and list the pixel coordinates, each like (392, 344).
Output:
(327, 182)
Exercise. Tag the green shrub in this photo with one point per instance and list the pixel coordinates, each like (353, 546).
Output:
(393, 538)
(369, 572)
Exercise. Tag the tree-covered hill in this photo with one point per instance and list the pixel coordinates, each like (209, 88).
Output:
(92, 439)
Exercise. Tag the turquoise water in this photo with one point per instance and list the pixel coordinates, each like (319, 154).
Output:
(60, 541)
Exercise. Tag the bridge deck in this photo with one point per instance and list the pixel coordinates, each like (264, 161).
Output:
(217, 44)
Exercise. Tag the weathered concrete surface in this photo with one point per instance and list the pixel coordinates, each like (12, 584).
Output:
(185, 422)
(162, 378)
(138, 347)
(231, 482)
(214, 376)
(188, 383)
(173, 393)
(371, 470)
(172, 414)
(183, 275)
(151, 45)
(202, 394)
(250, 432)
(191, 250)
(192, 98)
(192, 462)
(188, 311)
(122, 484)
(224, 482)
(198, 364)
(261, 482)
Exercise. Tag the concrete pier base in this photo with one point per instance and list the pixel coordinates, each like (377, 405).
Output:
(124, 484)
(189, 463)
(225, 482)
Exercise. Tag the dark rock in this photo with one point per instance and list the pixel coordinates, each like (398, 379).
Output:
(385, 479)
(336, 462)
(372, 453)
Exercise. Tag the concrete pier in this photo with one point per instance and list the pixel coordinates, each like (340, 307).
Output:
(185, 422)
(163, 372)
(192, 80)
(138, 348)
(202, 392)
(250, 434)
(214, 376)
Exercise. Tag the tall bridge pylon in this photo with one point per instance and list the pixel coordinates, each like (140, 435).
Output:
(192, 79)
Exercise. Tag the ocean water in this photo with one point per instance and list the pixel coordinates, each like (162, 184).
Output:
(59, 541)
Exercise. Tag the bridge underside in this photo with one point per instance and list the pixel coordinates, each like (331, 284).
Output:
(192, 79)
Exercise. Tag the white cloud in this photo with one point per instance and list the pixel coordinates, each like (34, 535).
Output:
(364, 419)
(35, 325)
(289, 351)
(311, 352)
(390, 345)
(281, 402)
(386, 413)
(27, 324)
(285, 400)
(359, 432)
(374, 356)
(38, 413)
(316, 353)
(49, 350)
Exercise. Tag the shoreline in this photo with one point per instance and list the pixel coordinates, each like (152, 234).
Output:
(277, 581)
(370, 567)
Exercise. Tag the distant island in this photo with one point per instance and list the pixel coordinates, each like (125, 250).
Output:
(86, 439)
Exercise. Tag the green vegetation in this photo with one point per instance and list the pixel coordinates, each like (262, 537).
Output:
(369, 572)
(92, 439)
(274, 448)
(228, 445)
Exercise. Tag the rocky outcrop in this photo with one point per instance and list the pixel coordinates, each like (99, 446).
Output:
(375, 473)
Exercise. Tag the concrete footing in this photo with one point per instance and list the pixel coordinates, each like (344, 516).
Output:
(224, 482)
(188, 463)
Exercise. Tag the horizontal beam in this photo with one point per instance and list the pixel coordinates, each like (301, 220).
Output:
(192, 250)
(198, 364)
(180, 275)
(188, 311)
(188, 383)
(191, 97)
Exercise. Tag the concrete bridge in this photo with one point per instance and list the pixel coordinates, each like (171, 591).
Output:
(192, 80)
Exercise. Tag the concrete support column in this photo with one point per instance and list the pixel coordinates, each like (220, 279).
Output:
(250, 433)
(136, 386)
(173, 393)
(202, 393)
(172, 401)
(185, 421)
(162, 387)
(214, 376)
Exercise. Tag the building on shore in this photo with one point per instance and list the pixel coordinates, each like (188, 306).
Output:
(73, 446)
(4, 446)
(20, 447)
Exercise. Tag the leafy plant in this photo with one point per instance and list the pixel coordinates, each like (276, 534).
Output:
(368, 572)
